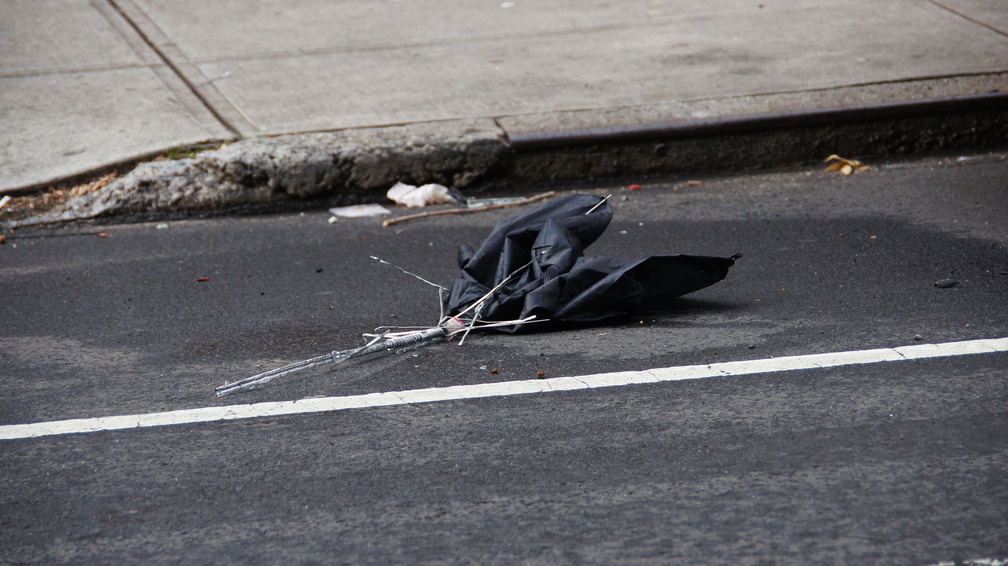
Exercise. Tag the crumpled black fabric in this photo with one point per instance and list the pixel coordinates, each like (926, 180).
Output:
(562, 284)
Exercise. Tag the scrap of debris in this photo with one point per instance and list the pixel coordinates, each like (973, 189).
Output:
(359, 210)
(472, 205)
(417, 197)
(531, 273)
(843, 165)
(413, 196)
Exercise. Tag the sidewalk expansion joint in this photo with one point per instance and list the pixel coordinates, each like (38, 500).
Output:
(117, 5)
(967, 18)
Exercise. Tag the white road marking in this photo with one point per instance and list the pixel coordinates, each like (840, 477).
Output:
(502, 389)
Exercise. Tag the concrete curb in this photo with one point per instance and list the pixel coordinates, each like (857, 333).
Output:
(877, 131)
(256, 171)
(357, 165)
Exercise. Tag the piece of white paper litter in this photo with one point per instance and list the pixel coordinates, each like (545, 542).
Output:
(358, 210)
(416, 197)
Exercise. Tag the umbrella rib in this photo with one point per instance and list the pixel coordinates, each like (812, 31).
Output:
(592, 209)
(432, 284)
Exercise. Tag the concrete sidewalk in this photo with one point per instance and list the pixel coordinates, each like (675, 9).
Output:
(88, 84)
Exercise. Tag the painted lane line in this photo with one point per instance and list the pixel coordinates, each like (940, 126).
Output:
(505, 388)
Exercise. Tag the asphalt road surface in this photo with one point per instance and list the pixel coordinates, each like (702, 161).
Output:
(895, 462)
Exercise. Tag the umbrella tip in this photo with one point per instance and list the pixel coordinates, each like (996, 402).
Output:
(592, 209)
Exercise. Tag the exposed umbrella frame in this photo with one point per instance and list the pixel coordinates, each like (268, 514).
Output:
(531, 273)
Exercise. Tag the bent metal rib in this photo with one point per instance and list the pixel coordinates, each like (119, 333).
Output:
(378, 344)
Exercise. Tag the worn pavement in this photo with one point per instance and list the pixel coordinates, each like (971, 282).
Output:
(889, 463)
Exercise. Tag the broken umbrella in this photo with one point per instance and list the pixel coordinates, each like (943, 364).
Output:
(530, 274)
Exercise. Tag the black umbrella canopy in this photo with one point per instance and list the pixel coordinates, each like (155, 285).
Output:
(536, 262)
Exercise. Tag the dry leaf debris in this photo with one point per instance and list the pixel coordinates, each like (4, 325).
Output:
(843, 165)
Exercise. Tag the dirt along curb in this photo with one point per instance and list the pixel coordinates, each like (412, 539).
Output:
(359, 165)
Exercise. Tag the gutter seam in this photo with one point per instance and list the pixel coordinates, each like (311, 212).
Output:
(178, 72)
